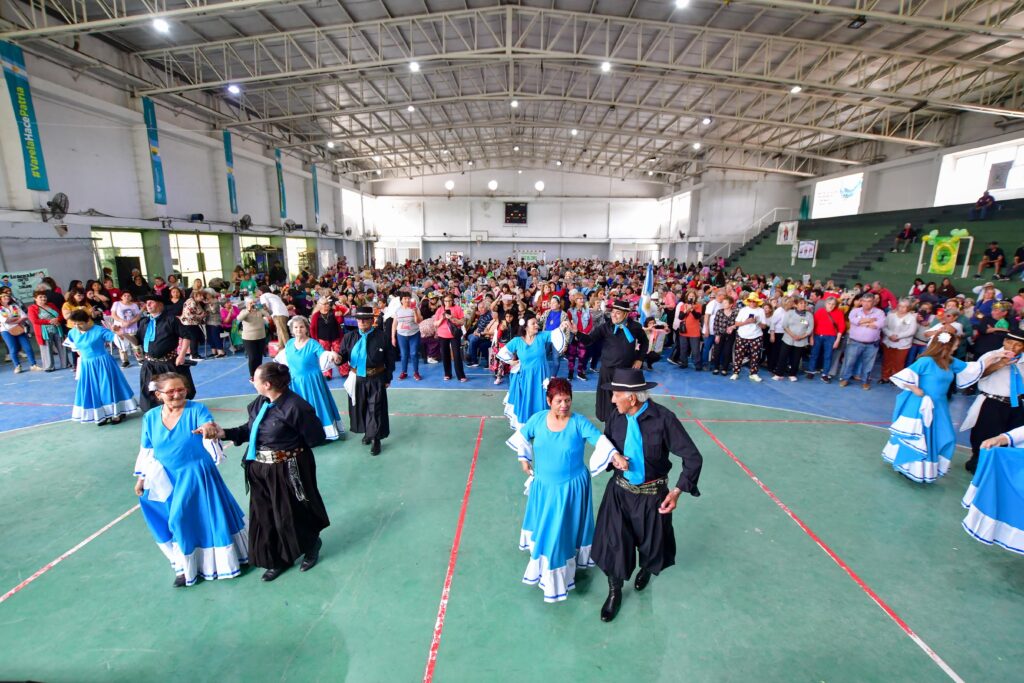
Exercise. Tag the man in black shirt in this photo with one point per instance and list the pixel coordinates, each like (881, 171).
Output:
(164, 347)
(993, 257)
(624, 345)
(636, 511)
(1017, 267)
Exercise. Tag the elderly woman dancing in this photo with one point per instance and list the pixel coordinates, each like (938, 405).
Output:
(558, 528)
(191, 513)
(528, 357)
(306, 360)
(102, 395)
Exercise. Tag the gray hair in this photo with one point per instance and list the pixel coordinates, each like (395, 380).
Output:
(641, 396)
(909, 303)
(300, 319)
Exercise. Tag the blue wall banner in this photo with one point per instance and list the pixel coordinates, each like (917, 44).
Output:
(229, 161)
(159, 188)
(280, 183)
(25, 116)
(316, 197)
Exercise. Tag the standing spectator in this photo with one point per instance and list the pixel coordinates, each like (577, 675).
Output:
(49, 329)
(193, 321)
(886, 299)
(919, 342)
(798, 327)
(776, 329)
(254, 334)
(688, 321)
(449, 318)
(750, 325)
(326, 328)
(126, 315)
(866, 325)
(406, 334)
(983, 208)
(724, 335)
(993, 257)
(278, 312)
(501, 332)
(655, 332)
(213, 324)
(829, 325)
(897, 336)
(581, 318)
(14, 324)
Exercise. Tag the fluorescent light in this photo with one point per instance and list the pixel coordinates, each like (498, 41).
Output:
(410, 109)
(539, 186)
(574, 132)
(795, 89)
(516, 148)
(444, 151)
(514, 104)
(682, 4)
(414, 66)
(650, 173)
(706, 121)
(696, 145)
(161, 25)
(606, 67)
(558, 162)
(234, 89)
(330, 144)
(492, 185)
(471, 162)
(449, 185)
(378, 171)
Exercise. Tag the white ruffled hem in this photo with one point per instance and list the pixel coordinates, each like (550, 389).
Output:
(556, 583)
(989, 530)
(210, 563)
(921, 471)
(510, 413)
(333, 431)
(127, 407)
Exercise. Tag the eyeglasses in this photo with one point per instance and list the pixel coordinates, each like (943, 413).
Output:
(173, 392)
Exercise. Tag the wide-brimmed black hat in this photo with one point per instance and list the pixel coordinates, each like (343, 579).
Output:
(1016, 336)
(364, 313)
(621, 305)
(151, 297)
(628, 379)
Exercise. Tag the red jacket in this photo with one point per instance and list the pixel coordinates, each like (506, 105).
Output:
(37, 322)
(825, 322)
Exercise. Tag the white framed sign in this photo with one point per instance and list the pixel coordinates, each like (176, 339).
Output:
(787, 232)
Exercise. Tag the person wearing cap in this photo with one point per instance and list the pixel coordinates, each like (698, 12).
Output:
(750, 325)
(635, 516)
(371, 358)
(164, 347)
(999, 405)
(624, 344)
(922, 440)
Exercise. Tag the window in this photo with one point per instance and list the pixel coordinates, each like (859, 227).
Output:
(113, 243)
(838, 196)
(301, 256)
(964, 176)
(196, 256)
(244, 242)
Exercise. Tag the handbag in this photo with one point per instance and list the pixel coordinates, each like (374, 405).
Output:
(16, 330)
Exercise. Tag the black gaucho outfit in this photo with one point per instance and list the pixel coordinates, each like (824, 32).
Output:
(160, 357)
(286, 512)
(616, 352)
(628, 520)
(369, 414)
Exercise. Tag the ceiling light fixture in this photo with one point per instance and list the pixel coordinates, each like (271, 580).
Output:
(234, 89)
(514, 104)
(161, 25)
(492, 185)
(650, 173)
(682, 4)
(444, 151)
(414, 67)
(558, 162)
(539, 186)
(858, 21)
(376, 157)
(706, 121)
(471, 163)
(330, 144)
(520, 171)
(606, 67)
(574, 132)
(410, 109)
(696, 145)
(795, 89)
(449, 185)
(515, 148)
(378, 171)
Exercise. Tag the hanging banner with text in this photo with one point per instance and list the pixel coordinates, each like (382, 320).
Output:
(159, 188)
(316, 197)
(23, 283)
(25, 116)
(280, 183)
(229, 162)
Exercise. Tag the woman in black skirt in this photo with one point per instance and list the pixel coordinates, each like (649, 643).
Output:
(286, 512)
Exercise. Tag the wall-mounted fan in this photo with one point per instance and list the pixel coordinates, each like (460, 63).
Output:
(56, 207)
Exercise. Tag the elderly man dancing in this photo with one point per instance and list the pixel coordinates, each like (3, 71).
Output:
(636, 511)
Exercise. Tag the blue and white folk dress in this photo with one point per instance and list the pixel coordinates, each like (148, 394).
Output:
(193, 517)
(995, 498)
(307, 365)
(922, 439)
(102, 391)
(558, 528)
(527, 385)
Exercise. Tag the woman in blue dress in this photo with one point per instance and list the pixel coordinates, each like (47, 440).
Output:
(102, 395)
(307, 361)
(558, 528)
(995, 498)
(528, 356)
(191, 513)
(922, 440)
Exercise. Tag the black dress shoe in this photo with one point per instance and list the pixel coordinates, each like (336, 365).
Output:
(272, 574)
(643, 577)
(179, 581)
(611, 606)
(366, 441)
(971, 465)
(311, 558)
(375, 448)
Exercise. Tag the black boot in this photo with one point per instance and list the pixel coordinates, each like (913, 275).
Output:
(375, 448)
(312, 556)
(366, 440)
(643, 577)
(273, 573)
(971, 464)
(614, 602)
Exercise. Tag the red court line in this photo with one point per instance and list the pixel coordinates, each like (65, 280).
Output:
(53, 563)
(835, 558)
(442, 609)
(836, 421)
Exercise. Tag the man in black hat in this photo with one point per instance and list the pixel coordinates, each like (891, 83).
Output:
(369, 352)
(636, 512)
(624, 345)
(999, 406)
(164, 347)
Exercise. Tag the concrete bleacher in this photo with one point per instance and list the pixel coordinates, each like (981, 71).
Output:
(855, 249)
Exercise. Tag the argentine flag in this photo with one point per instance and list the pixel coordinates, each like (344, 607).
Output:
(646, 309)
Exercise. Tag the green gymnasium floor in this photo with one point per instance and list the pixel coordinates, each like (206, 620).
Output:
(800, 525)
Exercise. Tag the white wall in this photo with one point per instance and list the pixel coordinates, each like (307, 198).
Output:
(730, 201)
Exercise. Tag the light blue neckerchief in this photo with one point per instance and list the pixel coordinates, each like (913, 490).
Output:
(1016, 383)
(358, 355)
(150, 333)
(634, 448)
(250, 453)
(625, 331)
